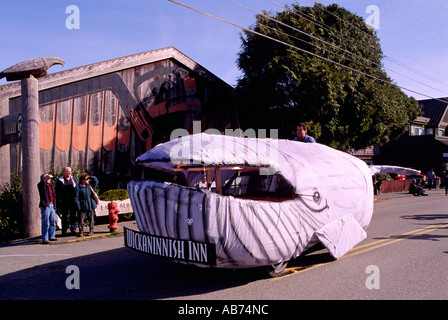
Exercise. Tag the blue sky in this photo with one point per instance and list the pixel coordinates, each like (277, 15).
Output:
(413, 34)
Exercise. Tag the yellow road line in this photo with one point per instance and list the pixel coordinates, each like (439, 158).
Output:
(438, 226)
(371, 246)
(394, 239)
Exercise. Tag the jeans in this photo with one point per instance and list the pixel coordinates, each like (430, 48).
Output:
(91, 216)
(48, 222)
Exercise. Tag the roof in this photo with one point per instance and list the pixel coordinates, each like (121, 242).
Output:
(434, 109)
(110, 66)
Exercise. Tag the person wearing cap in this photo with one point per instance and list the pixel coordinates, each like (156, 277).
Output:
(302, 136)
(47, 206)
(85, 202)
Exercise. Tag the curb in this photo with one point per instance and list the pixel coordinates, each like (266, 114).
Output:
(87, 238)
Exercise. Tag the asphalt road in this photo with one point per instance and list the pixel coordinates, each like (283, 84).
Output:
(405, 256)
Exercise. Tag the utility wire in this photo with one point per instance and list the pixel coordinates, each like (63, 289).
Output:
(311, 19)
(328, 43)
(279, 41)
(300, 49)
(302, 32)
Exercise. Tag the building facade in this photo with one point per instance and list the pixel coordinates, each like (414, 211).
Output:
(102, 116)
(425, 145)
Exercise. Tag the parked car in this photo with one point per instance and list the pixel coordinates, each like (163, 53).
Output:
(396, 176)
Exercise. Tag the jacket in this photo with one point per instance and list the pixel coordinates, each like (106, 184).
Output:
(66, 192)
(44, 193)
(84, 196)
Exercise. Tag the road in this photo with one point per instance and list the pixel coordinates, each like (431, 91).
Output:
(405, 256)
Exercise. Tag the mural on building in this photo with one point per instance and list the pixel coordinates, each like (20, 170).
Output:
(104, 123)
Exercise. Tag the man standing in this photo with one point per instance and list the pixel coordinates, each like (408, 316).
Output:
(47, 206)
(302, 130)
(431, 179)
(65, 191)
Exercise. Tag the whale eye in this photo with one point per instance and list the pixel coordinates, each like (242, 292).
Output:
(314, 201)
(316, 197)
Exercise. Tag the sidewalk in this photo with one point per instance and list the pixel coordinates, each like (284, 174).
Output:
(101, 231)
(405, 194)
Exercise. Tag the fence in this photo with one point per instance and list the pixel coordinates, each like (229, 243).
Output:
(395, 185)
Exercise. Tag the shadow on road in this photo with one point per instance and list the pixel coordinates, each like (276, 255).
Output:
(423, 217)
(125, 274)
(121, 274)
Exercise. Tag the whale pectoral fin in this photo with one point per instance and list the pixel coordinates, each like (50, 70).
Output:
(341, 235)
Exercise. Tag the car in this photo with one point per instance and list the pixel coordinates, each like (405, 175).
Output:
(236, 202)
(395, 176)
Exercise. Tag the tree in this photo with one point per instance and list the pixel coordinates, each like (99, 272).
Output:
(347, 100)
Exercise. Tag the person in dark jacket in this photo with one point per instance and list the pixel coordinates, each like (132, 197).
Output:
(85, 202)
(65, 191)
(47, 206)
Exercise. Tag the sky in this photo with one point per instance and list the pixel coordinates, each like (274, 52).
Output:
(413, 34)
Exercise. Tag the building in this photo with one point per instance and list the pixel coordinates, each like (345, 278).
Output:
(425, 145)
(102, 116)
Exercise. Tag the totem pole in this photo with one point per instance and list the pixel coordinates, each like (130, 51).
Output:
(27, 72)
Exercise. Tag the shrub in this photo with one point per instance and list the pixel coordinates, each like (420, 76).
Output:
(11, 216)
(383, 176)
(117, 194)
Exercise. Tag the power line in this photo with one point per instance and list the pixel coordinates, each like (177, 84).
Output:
(358, 43)
(280, 41)
(331, 44)
(300, 49)
(305, 33)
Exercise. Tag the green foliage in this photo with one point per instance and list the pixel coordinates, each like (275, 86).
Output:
(11, 217)
(383, 176)
(11, 204)
(118, 194)
(56, 173)
(345, 109)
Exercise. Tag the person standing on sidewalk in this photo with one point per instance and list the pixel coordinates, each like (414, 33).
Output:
(65, 191)
(431, 179)
(85, 201)
(47, 206)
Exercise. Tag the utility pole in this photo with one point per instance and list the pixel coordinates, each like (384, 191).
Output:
(28, 72)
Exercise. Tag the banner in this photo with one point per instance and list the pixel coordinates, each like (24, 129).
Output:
(125, 206)
(177, 249)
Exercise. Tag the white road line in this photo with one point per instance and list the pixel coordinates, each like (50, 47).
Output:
(33, 255)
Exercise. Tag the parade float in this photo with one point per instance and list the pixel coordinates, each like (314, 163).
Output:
(233, 202)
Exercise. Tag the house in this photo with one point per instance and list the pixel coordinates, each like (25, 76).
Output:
(425, 145)
(102, 116)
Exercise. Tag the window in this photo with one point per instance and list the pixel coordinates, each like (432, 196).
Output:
(251, 184)
(236, 181)
(417, 130)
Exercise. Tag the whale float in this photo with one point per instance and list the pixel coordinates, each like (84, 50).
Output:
(233, 202)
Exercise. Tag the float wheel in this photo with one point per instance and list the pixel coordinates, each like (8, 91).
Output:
(276, 270)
